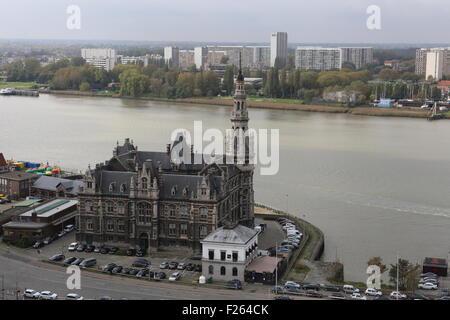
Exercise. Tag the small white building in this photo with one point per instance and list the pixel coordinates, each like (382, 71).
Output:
(227, 251)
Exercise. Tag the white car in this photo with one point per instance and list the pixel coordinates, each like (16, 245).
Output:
(350, 289)
(30, 293)
(175, 276)
(358, 296)
(48, 295)
(292, 284)
(69, 228)
(373, 292)
(73, 246)
(428, 286)
(397, 295)
(74, 296)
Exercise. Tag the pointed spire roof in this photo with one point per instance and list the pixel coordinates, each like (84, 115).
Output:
(240, 76)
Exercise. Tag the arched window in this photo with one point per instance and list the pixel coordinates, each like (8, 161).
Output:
(112, 186)
(144, 212)
(222, 271)
(144, 183)
(235, 272)
(211, 269)
(120, 208)
(123, 188)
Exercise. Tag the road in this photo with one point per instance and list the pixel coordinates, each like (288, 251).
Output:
(39, 276)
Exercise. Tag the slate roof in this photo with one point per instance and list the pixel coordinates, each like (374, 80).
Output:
(51, 184)
(18, 175)
(105, 178)
(237, 235)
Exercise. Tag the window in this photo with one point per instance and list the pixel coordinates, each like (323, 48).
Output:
(211, 269)
(130, 208)
(89, 185)
(144, 212)
(89, 225)
(235, 272)
(120, 208)
(112, 186)
(203, 213)
(172, 229)
(110, 225)
(121, 227)
(172, 211)
(144, 183)
(123, 188)
(211, 254)
(174, 190)
(235, 256)
(88, 206)
(183, 210)
(222, 271)
(203, 231)
(110, 207)
(183, 229)
(185, 191)
(223, 255)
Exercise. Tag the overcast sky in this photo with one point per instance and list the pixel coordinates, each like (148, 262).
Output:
(413, 21)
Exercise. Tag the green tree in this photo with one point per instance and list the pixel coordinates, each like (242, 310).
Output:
(185, 85)
(77, 62)
(228, 80)
(407, 273)
(84, 86)
(133, 83)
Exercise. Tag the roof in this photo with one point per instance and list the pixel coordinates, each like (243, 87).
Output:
(435, 262)
(264, 264)
(18, 175)
(115, 179)
(25, 225)
(52, 183)
(237, 235)
(2, 160)
(26, 203)
(50, 208)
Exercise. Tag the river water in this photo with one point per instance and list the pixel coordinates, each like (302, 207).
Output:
(375, 186)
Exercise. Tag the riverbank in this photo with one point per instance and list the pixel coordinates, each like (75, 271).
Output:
(359, 111)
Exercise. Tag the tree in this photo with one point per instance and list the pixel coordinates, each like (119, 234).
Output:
(407, 274)
(133, 83)
(84, 86)
(349, 66)
(377, 261)
(212, 83)
(77, 62)
(228, 80)
(224, 59)
(185, 85)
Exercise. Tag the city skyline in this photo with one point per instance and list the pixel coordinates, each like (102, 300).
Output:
(182, 21)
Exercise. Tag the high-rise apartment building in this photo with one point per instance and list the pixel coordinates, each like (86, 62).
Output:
(359, 56)
(422, 63)
(278, 49)
(172, 56)
(100, 58)
(317, 58)
(186, 59)
(434, 64)
(200, 57)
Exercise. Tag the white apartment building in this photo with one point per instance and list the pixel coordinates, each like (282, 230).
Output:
(172, 56)
(421, 60)
(100, 58)
(227, 251)
(317, 58)
(359, 56)
(187, 59)
(200, 57)
(434, 64)
(278, 48)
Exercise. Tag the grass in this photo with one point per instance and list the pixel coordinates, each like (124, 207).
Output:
(22, 85)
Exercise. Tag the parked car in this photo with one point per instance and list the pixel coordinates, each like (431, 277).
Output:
(140, 253)
(126, 270)
(282, 298)
(349, 289)
(117, 269)
(97, 250)
(69, 260)
(62, 234)
(444, 298)
(141, 263)
(142, 273)
(190, 267)
(89, 248)
(397, 295)
(198, 268)
(277, 290)
(74, 296)
(104, 250)
(431, 280)
(234, 284)
(113, 250)
(196, 257)
(77, 261)
(314, 293)
(175, 276)
(373, 292)
(338, 295)
(73, 246)
(428, 286)
(164, 265)
(133, 272)
(81, 248)
(429, 275)
(358, 296)
(173, 265)
(109, 267)
(38, 244)
(131, 252)
(292, 284)
(48, 295)
(88, 263)
(57, 257)
(47, 241)
(332, 288)
(311, 287)
(31, 294)
(69, 228)
(181, 266)
(105, 298)
(160, 276)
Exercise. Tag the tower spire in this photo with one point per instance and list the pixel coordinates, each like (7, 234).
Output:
(240, 76)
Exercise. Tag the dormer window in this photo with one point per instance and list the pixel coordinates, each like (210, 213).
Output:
(112, 186)
(174, 190)
(185, 191)
(123, 188)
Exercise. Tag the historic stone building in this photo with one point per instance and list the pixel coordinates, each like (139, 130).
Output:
(145, 199)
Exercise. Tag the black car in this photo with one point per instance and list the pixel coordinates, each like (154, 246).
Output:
(38, 244)
(77, 261)
(133, 272)
(234, 284)
(81, 248)
(198, 268)
(314, 293)
(69, 260)
(141, 263)
(113, 250)
(142, 273)
(197, 257)
(190, 267)
(131, 252)
(315, 287)
(90, 248)
(160, 276)
(117, 269)
(109, 267)
(338, 295)
(332, 288)
(282, 298)
(104, 250)
(57, 257)
(173, 265)
(140, 253)
(126, 270)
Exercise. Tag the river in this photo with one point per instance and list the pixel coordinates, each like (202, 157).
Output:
(375, 186)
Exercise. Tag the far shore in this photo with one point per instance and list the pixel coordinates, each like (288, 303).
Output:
(360, 111)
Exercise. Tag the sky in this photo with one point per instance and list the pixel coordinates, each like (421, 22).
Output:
(327, 21)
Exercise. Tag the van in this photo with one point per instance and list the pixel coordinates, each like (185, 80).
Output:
(88, 263)
(69, 228)
(349, 289)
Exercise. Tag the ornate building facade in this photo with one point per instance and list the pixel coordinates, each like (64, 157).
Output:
(144, 199)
